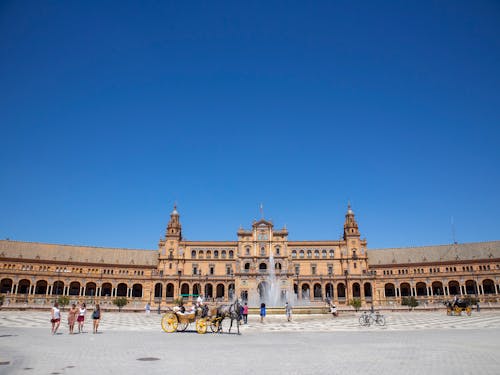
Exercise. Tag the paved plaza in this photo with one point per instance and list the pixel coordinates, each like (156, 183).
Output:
(133, 343)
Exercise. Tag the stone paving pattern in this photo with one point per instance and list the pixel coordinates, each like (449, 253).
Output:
(410, 343)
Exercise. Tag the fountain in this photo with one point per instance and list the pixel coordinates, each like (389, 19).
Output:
(270, 292)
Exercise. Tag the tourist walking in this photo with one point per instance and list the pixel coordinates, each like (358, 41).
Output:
(288, 311)
(72, 315)
(245, 314)
(55, 315)
(148, 308)
(96, 317)
(81, 317)
(262, 312)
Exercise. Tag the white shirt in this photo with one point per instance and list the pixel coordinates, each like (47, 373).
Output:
(57, 312)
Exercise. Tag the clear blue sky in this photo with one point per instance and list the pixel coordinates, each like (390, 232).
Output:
(112, 111)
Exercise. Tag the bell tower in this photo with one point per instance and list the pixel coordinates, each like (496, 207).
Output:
(351, 229)
(174, 228)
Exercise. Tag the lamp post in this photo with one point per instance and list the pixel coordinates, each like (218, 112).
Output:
(298, 289)
(346, 273)
(179, 283)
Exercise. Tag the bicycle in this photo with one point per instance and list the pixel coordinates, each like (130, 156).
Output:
(365, 319)
(377, 318)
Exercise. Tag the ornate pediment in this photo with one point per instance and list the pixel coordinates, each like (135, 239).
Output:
(262, 223)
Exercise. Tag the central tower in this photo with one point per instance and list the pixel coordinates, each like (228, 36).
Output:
(263, 266)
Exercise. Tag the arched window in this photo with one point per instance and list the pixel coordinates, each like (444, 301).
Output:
(209, 254)
(277, 250)
(90, 289)
(216, 254)
(247, 267)
(5, 285)
(294, 254)
(170, 290)
(223, 254)
(220, 291)
(231, 254)
(158, 290)
(277, 266)
(137, 290)
(193, 254)
(23, 287)
(301, 254)
(41, 287)
(200, 254)
(121, 290)
(323, 253)
(390, 291)
(316, 253)
(309, 253)
(331, 253)
(247, 250)
(74, 288)
(262, 266)
(106, 290)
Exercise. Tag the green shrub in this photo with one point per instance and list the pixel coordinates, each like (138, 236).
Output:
(411, 302)
(356, 303)
(63, 301)
(120, 302)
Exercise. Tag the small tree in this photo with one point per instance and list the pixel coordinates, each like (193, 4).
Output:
(411, 302)
(63, 301)
(120, 302)
(179, 301)
(356, 303)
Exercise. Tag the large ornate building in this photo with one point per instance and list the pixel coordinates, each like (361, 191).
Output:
(260, 264)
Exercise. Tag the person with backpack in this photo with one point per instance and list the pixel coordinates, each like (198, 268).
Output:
(96, 317)
(262, 312)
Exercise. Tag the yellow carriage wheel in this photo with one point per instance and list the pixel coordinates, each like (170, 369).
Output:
(201, 326)
(448, 311)
(468, 310)
(169, 322)
(458, 310)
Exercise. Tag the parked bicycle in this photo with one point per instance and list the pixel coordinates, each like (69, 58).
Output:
(377, 318)
(365, 319)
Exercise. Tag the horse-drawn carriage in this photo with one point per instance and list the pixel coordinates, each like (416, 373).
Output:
(456, 307)
(177, 319)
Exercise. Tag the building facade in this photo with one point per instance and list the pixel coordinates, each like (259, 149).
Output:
(260, 265)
